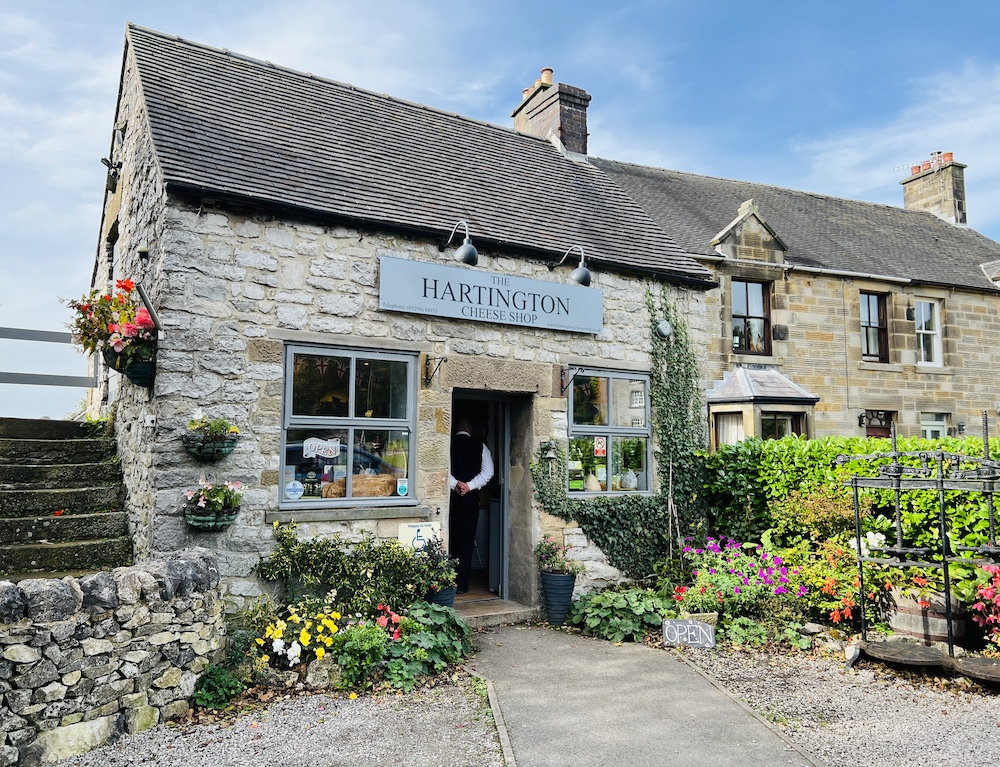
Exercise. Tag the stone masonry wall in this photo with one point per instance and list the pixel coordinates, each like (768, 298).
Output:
(84, 660)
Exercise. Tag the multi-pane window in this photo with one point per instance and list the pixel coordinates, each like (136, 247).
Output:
(609, 441)
(933, 425)
(751, 317)
(928, 319)
(349, 421)
(874, 328)
(778, 425)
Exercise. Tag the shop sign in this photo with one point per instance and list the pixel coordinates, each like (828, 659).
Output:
(687, 632)
(416, 535)
(420, 287)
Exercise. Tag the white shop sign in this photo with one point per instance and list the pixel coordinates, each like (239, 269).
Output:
(473, 294)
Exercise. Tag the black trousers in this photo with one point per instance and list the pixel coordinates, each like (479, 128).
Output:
(463, 521)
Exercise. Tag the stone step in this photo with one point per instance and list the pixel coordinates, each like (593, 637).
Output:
(46, 451)
(40, 503)
(53, 477)
(101, 554)
(29, 428)
(65, 527)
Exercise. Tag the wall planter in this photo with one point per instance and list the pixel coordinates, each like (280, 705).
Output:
(207, 449)
(209, 520)
(139, 372)
(557, 593)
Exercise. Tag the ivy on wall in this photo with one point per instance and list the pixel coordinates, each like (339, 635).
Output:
(635, 531)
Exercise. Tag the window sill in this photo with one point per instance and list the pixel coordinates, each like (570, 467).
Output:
(582, 496)
(754, 359)
(936, 370)
(882, 367)
(349, 513)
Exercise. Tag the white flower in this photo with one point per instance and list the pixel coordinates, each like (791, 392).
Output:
(293, 653)
(278, 646)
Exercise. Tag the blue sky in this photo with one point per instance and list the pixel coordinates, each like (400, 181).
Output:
(838, 98)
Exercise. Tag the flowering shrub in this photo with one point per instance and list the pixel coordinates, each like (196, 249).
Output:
(735, 578)
(115, 321)
(551, 557)
(215, 497)
(986, 607)
(310, 636)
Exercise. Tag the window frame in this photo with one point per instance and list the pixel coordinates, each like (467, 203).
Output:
(796, 422)
(766, 288)
(936, 334)
(934, 421)
(609, 430)
(350, 423)
(880, 326)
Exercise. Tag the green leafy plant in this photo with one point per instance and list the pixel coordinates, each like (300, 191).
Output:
(431, 639)
(215, 497)
(551, 556)
(745, 632)
(216, 687)
(211, 429)
(624, 615)
(360, 648)
(435, 569)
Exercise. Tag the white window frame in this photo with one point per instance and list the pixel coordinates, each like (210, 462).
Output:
(350, 423)
(609, 431)
(928, 309)
(933, 422)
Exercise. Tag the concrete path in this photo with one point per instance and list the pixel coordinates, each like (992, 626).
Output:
(568, 700)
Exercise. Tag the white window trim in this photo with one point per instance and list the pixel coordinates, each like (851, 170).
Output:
(937, 346)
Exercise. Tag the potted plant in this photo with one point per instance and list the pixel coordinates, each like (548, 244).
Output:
(699, 602)
(119, 327)
(209, 439)
(558, 577)
(212, 507)
(437, 573)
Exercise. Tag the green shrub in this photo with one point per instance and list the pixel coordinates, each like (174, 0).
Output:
(360, 650)
(216, 687)
(745, 632)
(621, 615)
(353, 577)
(432, 638)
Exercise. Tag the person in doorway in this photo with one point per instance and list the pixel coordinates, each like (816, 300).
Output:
(471, 470)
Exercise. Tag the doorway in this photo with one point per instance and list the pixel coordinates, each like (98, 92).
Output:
(490, 418)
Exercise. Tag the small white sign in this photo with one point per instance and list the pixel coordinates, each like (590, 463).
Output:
(402, 486)
(294, 490)
(315, 446)
(418, 534)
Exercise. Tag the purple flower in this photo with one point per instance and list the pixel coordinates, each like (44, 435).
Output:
(780, 590)
(802, 591)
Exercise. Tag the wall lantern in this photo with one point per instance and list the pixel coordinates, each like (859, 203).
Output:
(961, 427)
(664, 329)
(911, 315)
(862, 419)
(580, 275)
(466, 253)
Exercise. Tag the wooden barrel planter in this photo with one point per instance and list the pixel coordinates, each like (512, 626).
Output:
(928, 624)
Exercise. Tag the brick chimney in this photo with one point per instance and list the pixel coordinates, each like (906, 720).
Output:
(554, 110)
(937, 186)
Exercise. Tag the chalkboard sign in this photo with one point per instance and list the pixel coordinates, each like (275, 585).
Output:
(687, 632)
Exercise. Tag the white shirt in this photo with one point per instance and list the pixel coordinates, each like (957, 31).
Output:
(485, 474)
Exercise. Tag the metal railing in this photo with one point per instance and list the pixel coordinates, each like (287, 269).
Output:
(43, 379)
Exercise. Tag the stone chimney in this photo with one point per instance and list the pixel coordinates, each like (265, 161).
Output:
(554, 110)
(937, 186)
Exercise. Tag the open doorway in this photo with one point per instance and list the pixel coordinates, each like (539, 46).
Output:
(489, 416)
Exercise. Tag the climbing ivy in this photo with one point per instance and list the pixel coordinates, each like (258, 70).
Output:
(635, 532)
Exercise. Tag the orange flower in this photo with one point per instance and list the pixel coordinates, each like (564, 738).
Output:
(58, 512)
(919, 581)
(835, 616)
(127, 285)
(924, 604)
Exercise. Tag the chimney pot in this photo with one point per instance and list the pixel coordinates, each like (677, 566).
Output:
(524, 93)
(914, 170)
(947, 157)
(547, 75)
(925, 165)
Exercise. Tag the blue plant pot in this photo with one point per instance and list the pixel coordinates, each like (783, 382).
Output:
(557, 593)
(444, 597)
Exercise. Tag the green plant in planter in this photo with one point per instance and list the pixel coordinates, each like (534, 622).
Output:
(215, 429)
(209, 439)
(551, 557)
(435, 569)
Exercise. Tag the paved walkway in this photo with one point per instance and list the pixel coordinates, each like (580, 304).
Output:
(568, 700)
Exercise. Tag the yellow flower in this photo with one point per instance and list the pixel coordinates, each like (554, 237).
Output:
(293, 618)
(277, 634)
(330, 624)
(304, 637)
(353, 695)
(260, 641)
(268, 631)
(320, 652)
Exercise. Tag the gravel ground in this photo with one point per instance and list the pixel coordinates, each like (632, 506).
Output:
(449, 725)
(869, 715)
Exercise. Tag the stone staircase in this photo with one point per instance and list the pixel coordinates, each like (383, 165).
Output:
(60, 501)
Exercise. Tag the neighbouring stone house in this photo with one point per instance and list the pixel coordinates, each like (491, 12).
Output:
(293, 235)
(837, 316)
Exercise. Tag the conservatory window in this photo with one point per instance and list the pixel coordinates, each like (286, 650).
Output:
(609, 436)
(349, 422)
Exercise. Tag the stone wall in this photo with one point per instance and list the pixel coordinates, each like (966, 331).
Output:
(84, 660)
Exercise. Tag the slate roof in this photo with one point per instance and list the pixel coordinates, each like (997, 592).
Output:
(819, 231)
(765, 385)
(238, 127)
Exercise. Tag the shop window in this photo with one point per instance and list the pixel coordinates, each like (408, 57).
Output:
(778, 425)
(933, 425)
(928, 319)
(751, 317)
(874, 328)
(609, 443)
(349, 422)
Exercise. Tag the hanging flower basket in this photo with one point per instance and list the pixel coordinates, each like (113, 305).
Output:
(208, 519)
(141, 373)
(114, 360)
(208, 449)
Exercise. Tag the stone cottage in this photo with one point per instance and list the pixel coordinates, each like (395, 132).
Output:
(297, 238)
